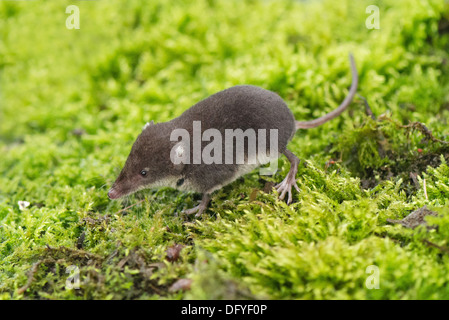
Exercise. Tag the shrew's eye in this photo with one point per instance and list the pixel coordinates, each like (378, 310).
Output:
(143, 173)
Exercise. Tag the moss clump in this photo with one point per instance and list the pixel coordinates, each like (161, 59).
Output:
(384, 149)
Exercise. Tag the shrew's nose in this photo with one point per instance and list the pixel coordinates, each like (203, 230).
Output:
(113, 194)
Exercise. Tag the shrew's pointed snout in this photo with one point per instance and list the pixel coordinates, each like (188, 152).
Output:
(113, 194)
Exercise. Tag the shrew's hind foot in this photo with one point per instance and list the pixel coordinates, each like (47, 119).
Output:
(290, 180)
(199, 209)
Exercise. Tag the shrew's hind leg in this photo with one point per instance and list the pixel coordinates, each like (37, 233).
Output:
(290, 180)
(201, 207)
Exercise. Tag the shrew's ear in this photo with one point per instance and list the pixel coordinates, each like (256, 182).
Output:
(148, 124)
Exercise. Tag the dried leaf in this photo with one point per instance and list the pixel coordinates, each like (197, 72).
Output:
(173, 252)
(181, 284)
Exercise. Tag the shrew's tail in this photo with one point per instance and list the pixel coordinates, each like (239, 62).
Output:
(342, 107)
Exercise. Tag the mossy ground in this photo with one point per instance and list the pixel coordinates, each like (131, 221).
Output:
(73, 101)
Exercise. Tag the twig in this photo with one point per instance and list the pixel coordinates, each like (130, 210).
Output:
(421, 127)
(31, 275)
(367, 107)
(135, 204)
(425, 189)
(80, 241)
(414, 176)
(431, 244)
(77, 253)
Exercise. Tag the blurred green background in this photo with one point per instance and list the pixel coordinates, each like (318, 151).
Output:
(73, 101)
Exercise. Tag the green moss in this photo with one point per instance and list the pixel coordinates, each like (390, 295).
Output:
(73, 101)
